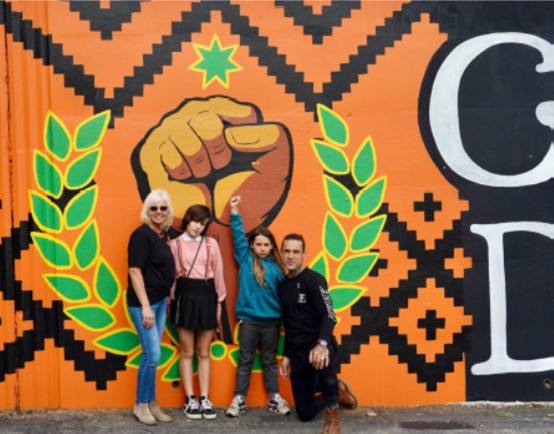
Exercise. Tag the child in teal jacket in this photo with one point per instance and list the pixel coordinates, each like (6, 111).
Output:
(258, 310)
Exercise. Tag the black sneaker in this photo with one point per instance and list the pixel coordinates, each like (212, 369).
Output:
(206, 408)
(192, 408)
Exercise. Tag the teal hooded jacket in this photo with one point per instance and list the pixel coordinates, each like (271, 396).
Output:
(254, 301)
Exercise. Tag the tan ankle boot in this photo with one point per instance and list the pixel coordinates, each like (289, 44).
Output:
(332, 422)
(142, 413)
(347, 399)
(158, 414)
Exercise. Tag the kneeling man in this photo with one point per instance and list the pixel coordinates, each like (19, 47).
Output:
(310, 347)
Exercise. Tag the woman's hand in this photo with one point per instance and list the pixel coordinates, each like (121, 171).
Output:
(147, 317)
(234, 203)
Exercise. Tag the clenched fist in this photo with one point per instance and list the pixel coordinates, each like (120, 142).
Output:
(208, 150)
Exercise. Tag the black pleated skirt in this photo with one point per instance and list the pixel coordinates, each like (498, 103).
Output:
(195, 304)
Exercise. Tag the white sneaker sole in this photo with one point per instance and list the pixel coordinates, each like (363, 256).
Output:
(193, 416)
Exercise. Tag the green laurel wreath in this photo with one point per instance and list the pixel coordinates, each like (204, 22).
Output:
(69, 261)
(347, 255)
(91, 309)
(346, 258)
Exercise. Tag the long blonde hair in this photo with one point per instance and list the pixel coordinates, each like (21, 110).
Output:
(257, 268)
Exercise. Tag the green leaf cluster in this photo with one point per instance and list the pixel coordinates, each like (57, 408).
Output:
(77, 214)
(350, 251)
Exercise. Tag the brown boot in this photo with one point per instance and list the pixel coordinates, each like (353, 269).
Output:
(332, 422)
(158, 414)
(142, 413)
(346, 396)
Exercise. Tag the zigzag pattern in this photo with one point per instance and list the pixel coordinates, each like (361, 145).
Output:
(106, 21)
(83, 84)
(48, 323)
(318, 26)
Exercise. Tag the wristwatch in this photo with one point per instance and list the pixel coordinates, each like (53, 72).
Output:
(322, 343)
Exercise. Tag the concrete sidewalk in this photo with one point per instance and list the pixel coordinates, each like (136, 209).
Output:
(453, 418)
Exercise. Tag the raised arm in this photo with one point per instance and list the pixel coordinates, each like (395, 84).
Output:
(240, 245)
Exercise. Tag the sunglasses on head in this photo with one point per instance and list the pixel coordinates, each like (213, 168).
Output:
(158, 208)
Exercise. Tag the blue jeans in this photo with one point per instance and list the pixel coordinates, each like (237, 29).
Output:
(150, 340)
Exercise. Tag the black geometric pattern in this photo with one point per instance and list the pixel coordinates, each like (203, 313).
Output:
(48, 323)
(374, 321)
(105, 21)
(430, 323)
(318, 26)
(429, 206)
(397, 26)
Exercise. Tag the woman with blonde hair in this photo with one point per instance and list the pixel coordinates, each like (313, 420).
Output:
(151, 276)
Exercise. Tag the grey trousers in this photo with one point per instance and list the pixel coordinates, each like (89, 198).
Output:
(265, 336)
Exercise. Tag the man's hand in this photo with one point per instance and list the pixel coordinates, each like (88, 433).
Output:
(319, 356)
(284, 368)
(209, 149)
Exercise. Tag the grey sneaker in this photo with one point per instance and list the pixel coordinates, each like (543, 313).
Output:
(237, 407)
(278, 405)
(192, 408)
(206, 408)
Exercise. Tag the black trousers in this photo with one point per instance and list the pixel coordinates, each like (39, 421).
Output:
(313, 389)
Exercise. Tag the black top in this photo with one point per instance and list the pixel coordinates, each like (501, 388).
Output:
(153, 256)
(307, 311)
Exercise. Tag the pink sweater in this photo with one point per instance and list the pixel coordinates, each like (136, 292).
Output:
(204, 267)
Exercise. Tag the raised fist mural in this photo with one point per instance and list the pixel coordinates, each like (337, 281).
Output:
(209, 149)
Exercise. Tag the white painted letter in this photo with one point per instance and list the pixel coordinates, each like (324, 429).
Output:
(443, 111)
(500, 362)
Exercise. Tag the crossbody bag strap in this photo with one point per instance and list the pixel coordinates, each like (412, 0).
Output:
(195, 256)
(208, 258)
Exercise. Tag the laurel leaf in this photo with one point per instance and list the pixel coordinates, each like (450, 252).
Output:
(52, 251)
(334, 238)
(90, 132)
(87, 246)
(57, 139)
(339, 198)
(332, 159)
(81, 170)
(333, 127)
(121, 341)
(356, 268)
(46, 213)
(48, 177)
(345, 296)
(364, 163)
(91, 316)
